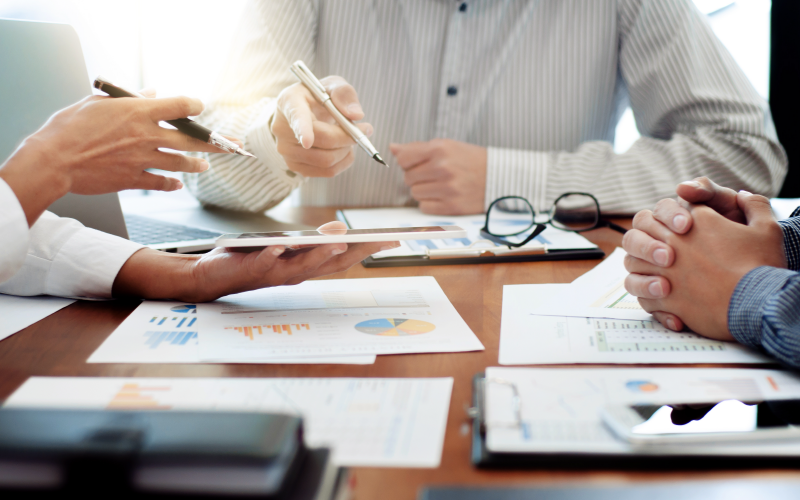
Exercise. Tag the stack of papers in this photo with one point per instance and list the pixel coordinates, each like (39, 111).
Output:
(552, 238)
(560, 408)
(595, 320)
(377, 422)
(326, 321)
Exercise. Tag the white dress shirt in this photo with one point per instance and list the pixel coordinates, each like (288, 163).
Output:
(56, 256)
(541, 84)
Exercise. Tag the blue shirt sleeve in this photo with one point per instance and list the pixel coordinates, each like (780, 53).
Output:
(791, 240)
(764, 312)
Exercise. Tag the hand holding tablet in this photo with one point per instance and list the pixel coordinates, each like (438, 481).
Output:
(334, 232)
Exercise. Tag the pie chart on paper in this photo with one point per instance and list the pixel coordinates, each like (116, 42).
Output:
(394, 327)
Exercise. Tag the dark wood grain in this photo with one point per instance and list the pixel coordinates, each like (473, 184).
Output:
(60, 344)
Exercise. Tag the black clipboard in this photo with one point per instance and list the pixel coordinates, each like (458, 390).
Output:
(483, 458)
(423, 260)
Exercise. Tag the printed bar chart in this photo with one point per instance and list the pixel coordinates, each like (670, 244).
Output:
(134, 396)
(154, 339)
(176, 322)
(279, 329)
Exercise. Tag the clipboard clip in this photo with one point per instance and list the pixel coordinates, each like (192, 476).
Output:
(478, 412)
(485, 248)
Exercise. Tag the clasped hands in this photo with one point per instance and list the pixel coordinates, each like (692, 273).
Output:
(686, 257)
(445, 176)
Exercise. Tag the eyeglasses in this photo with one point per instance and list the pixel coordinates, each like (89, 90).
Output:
(513, 216)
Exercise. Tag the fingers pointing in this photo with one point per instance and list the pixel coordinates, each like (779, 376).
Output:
(294, 105)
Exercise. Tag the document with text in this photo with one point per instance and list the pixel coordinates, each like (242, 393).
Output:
(528, 339)
(369, 218)
(334, 318)
(166, 332)
(368, 422)
(559, 407)
(600, 293)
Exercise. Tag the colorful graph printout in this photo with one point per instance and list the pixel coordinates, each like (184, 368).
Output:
(167, 332)
(133, 396)
(395, 327)
(185, 309)
(371, 422)
(260, 329)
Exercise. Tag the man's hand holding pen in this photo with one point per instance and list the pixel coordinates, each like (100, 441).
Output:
(120, 140)
(308, 137)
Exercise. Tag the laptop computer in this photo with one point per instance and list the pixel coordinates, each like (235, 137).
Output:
(42, 70)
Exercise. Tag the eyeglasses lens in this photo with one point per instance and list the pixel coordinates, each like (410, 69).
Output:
(575, 212)
(509, 217)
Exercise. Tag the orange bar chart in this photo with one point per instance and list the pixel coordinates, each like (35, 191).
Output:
(137, 397)
(287, 328)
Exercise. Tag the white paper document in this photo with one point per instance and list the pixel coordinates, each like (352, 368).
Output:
(560, 407)
(166, 332)
(21, 312)
(407, 217)
(370, 422)
(334, 318)
(528, 339)
(600, 293)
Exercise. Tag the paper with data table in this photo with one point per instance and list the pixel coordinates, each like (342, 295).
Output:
(600, 293)
(334, 318)
(371, 218)
(166, 332)
(528, 339)
(559, 407)
(371, 422)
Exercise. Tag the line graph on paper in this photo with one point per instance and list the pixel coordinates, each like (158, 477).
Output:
(618, 298)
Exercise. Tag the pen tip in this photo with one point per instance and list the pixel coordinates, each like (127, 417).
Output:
(242, 152)
(378, 158)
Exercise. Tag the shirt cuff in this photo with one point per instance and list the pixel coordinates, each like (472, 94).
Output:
(263, 144)
(15, 231)
(87, 264)
(514, 172)
(746, 310)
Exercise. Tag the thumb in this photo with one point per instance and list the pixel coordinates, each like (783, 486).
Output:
(756, 208)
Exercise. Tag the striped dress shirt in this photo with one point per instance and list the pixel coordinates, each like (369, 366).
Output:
(764, 312)
(540, 83)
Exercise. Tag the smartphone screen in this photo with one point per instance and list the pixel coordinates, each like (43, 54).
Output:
(725, 416)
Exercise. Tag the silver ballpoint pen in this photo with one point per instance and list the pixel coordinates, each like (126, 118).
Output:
(317, 89)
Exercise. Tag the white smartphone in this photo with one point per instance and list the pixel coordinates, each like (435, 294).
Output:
(692, 423)
(322, 236)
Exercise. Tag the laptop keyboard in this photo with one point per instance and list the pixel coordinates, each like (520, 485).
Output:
(147, 231)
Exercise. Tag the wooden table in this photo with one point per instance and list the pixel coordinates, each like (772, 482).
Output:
(60, 344)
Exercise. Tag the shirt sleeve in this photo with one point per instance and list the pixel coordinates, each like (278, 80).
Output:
(14, 228)
(65, 259)
(271, 36)
(791, 240)
(764, 313)
(694, 107)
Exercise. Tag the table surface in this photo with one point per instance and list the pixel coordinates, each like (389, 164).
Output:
(60, 344)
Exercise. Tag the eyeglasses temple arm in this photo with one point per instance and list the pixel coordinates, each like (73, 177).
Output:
(615, 227)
